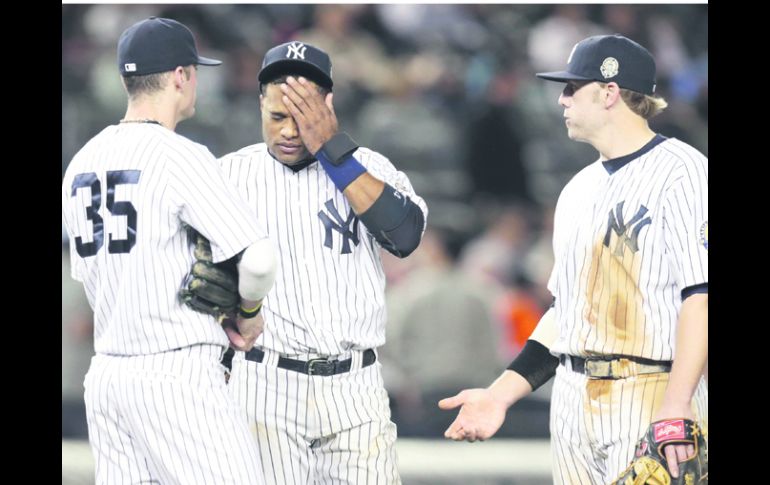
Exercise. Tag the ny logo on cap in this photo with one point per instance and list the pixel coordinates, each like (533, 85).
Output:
(296, 50)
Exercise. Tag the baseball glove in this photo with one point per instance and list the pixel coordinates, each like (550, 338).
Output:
(650, 466)
(210, 288)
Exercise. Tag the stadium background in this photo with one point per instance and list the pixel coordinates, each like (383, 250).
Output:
(448, 93)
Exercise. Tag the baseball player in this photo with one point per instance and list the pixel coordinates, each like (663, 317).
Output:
(157, 404)
(312, 385)
(630, 280)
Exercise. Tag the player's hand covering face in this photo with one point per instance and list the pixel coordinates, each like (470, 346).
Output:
(279, 130)
(312, 111)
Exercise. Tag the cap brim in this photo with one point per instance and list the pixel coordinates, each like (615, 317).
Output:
(205, 61)
(561, 76)
(299, 68)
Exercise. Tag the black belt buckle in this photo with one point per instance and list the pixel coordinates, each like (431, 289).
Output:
(320, 367)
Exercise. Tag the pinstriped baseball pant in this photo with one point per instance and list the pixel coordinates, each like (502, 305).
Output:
(596, 423)
(167, 418)
(318, 429)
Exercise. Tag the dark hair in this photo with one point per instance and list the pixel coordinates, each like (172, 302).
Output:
(282, 79)
(151, 83)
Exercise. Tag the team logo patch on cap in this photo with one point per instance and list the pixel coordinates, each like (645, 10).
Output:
(296, 50)
(609, 67)
(704, 235)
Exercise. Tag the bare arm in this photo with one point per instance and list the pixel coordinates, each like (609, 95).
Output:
(691, 353)
(689, 364)
(363, 191)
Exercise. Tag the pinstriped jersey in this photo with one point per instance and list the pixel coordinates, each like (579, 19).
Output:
(629, 235)
(328, 295)
(126, 196)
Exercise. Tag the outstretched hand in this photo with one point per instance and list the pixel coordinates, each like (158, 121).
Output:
(480, 416)
(313, 113)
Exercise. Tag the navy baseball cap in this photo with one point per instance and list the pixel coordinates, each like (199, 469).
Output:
(157, 45)
(299, 59)
(609, 58)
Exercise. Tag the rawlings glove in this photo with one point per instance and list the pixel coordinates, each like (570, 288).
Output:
(650, 466)
(210, 288)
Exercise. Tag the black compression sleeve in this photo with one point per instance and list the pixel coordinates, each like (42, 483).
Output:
(535, 364)
(395, 222)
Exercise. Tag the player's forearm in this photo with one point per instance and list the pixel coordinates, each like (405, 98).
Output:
(535, 364)
(394, 220)
(691, 351)
(363, 192)
(510, 387)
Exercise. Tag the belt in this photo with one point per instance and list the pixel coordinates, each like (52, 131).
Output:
(314, 367)
(615, 367)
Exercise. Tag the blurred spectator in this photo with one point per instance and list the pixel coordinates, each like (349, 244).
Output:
(494, 158)
(440, 337)
(557, 34)
(361, 68)
(626, 19)
(493, 256)
(538, 261)
(519, 310)
(431, 25)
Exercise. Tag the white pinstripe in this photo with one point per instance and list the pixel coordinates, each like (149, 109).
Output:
(156, 418)
(341, 294)
(132, 292)
(614, 299)
(307, 430)
(671, 181)
(157, 406)
(317, 429)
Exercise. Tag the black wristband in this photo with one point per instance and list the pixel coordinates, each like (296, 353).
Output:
(535, 364)
(338, 147)
(250, 314)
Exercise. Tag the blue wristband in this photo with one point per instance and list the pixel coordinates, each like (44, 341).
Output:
(344, 173)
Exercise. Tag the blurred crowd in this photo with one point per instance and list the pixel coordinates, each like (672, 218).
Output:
(448, 94)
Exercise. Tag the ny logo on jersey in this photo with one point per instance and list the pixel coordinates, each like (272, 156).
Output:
(296, 50)
(341, 226)
(628, 234)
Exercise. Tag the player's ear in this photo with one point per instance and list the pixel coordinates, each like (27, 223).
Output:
(179, 77)
(611, 94)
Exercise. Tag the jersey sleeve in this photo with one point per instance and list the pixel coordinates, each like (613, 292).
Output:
(211, 204)
(556, 238)
(685, 219)
(381, 168)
